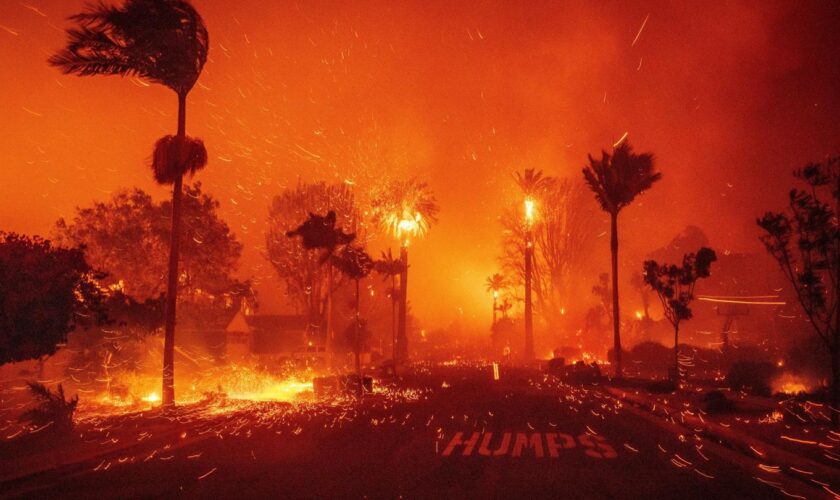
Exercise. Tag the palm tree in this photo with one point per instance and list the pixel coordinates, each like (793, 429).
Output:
(405, 209)
(320, 233)
(495, 284)
(165, 42)
(532, 183)
(616, 180)
(504, 307)
(389, 267)
(355, 263)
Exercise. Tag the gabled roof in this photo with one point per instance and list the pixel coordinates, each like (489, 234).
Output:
(267, 323)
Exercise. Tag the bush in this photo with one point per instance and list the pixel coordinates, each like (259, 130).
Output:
(662, 387)
(751, 376)
(652, 355)
(717, 402)
(52, 408)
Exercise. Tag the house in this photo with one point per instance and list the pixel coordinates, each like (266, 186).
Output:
(265, 336)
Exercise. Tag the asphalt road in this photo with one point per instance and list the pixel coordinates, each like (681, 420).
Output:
(523, 436)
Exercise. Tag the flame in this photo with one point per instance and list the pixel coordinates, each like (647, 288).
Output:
(530, 210)
(129, 392)
(152, 398)
(791, 384)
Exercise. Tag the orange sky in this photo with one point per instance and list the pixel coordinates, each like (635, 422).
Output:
(729, 96)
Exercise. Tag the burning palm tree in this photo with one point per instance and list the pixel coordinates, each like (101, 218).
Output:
(405, 209)
(616, 180)
(533, 184)
(495, 284)
(165, 42)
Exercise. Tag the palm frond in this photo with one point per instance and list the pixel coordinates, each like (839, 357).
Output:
(320, 233)
(164, 41)
(616, 179)
(496, 282)
(354, 262)
(532, 182)
(176, 156)
(398, 204)
(388, 266)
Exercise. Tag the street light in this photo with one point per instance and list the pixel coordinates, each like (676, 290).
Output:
(530, 215)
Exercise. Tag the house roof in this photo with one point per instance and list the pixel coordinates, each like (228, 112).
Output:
(287, 341)
(267, 323)
(272, 333)
(277, 322)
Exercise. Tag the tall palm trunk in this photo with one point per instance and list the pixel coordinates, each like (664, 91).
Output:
(394, 323)
(616, 314)
(676, 354)
(357, 348)
(168, 390)
(835, 383)
(402, 338)
(494, 308)
(328, 312)
(529, 308)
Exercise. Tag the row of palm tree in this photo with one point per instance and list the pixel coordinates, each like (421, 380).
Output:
(166, 42)
(616, 179)
(406, 209)
(320, 234)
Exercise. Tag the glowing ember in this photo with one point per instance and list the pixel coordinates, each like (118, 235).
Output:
(530, 210)
(152, 398)
(791, 384)
(793, 388)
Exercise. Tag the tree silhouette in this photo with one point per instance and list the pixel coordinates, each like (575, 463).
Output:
(674, 285)
(319, 233)
(616, 179)
(128, 236)
(806, 244)
(45, 293)
(532, 182)
(405, 209)
(495, 284)
(355, 263)
(302, 270)
(165, 42)
(390, 268)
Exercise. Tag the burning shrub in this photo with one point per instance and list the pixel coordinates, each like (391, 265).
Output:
(752, 376)
(53, 409)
